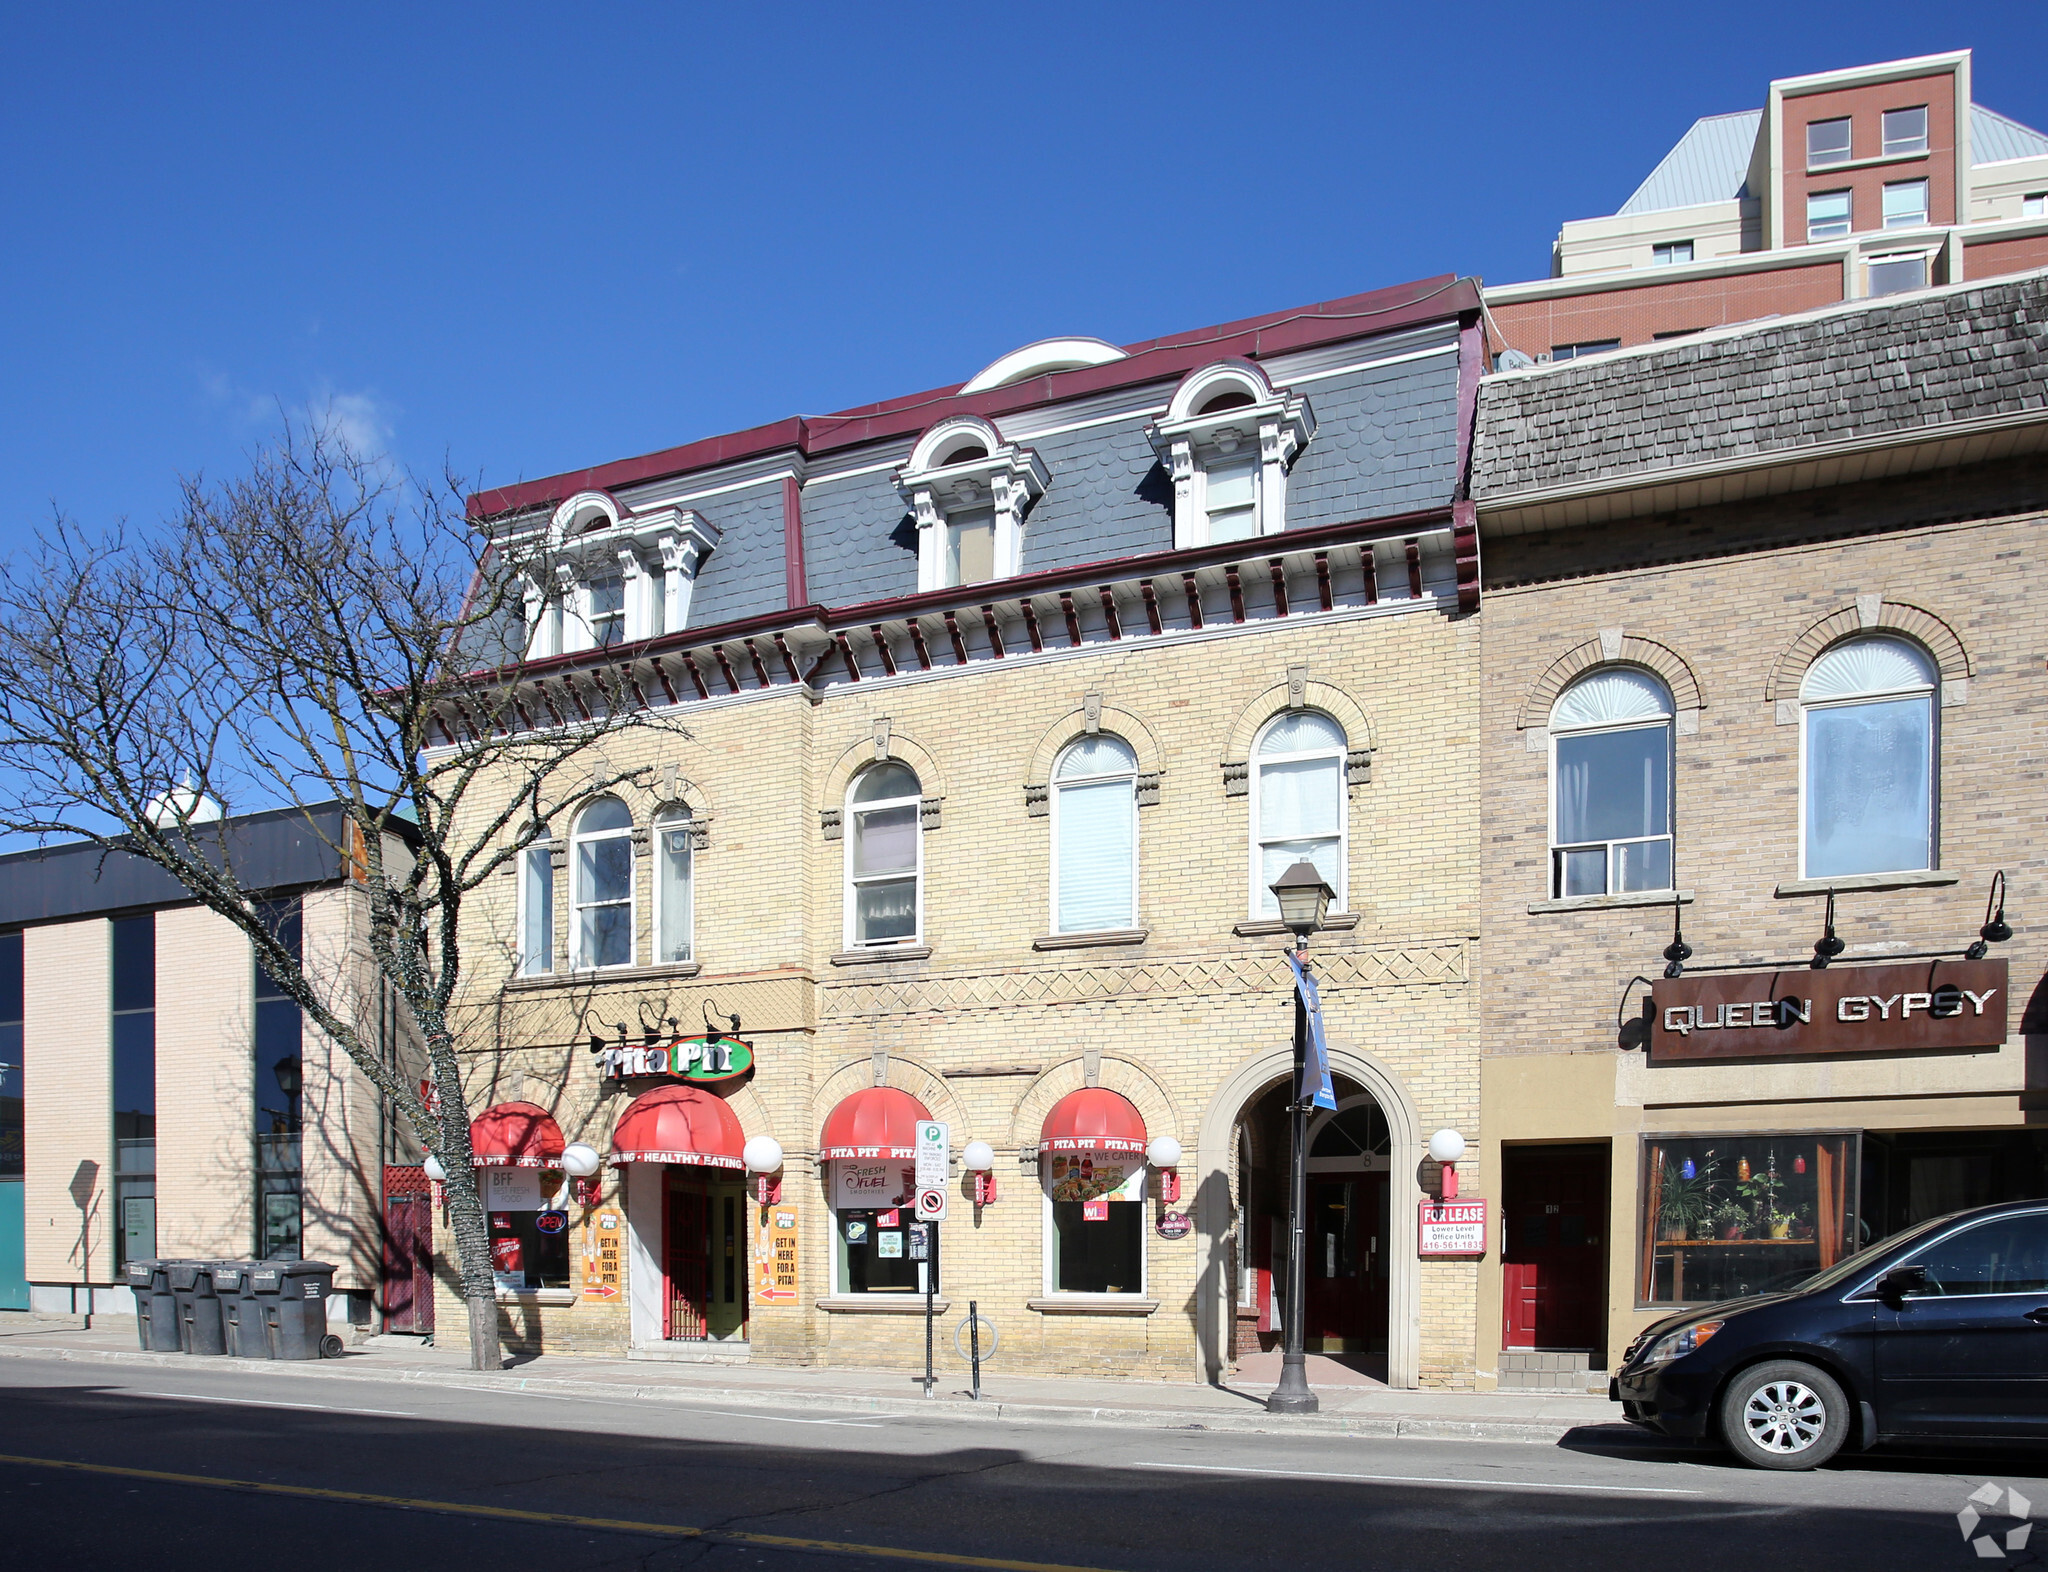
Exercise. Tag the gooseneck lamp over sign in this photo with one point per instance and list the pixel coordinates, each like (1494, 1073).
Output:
(1303, 899)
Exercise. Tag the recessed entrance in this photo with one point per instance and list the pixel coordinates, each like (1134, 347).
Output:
(704, 1278)
(1554, 1247)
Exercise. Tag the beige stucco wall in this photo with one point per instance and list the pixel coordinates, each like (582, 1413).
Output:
(1169, 1021)
(205, 1003)
(67, 1036)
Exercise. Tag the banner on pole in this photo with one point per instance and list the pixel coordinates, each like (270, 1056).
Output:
(1315, 1087)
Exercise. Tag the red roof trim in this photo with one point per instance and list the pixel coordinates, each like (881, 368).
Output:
(1378, 311)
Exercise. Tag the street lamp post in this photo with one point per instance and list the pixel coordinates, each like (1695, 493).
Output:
(1303, 898)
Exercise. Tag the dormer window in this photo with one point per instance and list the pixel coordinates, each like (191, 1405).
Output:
(605, 577)
(1229, 439)
(969, 490)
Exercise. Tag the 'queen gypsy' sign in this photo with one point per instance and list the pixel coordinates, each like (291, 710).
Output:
(1907, 1008)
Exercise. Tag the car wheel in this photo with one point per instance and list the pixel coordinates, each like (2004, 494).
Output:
(1784, 1415)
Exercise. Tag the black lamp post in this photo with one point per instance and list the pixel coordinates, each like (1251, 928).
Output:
(1303, 898)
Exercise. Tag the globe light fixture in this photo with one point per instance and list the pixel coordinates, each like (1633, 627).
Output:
(434, 1170)
(763, 1157)
(580, 1161)
(1447, 1146)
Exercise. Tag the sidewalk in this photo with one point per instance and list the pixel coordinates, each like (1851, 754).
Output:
(1359, 1410)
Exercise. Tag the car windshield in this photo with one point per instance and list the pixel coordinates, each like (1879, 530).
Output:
(1851, 1266)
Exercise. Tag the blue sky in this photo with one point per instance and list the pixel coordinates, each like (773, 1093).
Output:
(531, 238)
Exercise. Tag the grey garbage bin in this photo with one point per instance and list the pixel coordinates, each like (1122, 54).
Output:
(241, 1313)
(199, 1330)
(156, 1307)
(293, 1300)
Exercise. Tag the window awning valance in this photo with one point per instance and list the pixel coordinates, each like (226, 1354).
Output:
(515, 1135)
(876, 1121)
(679, 1124)
(1093, 1119)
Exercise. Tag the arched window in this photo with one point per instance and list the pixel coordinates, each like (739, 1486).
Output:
(884, 857)
(1867, 781)
(1095, 837)
(1297, 804)
(537, 908)
(601, 865)
(672, 919)
(1610, 795)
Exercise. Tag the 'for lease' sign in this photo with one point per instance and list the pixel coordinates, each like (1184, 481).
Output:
(1453, 1227)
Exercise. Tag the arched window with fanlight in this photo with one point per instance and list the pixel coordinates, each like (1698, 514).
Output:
(884, 857)
(601, 867)
(1610, 773)
(1298, 803)
(674, 938)
(1095, 836)
(1867, 782)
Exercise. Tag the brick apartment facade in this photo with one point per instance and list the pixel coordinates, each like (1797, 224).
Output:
(1723, 517)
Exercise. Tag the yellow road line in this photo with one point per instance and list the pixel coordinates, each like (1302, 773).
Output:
(557, 1519)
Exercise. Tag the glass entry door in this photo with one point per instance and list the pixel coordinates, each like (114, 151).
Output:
(1345, 1307)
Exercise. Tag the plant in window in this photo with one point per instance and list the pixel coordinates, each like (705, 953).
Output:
(1298, 803)
(884, 857)
(1610, 820)
(1686, 1203)
(1868, 708)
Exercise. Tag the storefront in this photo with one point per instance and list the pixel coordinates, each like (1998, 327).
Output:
(517, 1150)
(680, 1150)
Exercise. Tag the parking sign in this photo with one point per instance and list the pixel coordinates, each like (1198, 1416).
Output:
(932, 1140)
(931, 1206)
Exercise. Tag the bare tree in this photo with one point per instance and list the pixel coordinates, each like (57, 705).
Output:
(317, 630)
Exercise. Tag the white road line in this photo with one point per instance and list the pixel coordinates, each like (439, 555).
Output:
(1424, 1479)
(263, 1402)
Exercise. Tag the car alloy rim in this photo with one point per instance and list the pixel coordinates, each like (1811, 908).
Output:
(1784, 1416)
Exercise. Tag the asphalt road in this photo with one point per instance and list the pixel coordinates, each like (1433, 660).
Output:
(149, 1468)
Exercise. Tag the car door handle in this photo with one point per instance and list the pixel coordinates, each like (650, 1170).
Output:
(2040, 1315)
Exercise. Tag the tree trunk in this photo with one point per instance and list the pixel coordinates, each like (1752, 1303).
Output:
(473, 1262)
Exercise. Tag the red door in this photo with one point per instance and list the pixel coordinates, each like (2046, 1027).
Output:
(1345, 1308)
(1554, 1254)
(686, 1264)
(408, 1251)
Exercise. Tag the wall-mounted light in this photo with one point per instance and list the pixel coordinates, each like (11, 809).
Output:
(581, 1162)
(979, 1159)
(1164, 1155)
(1447, 1146)
(434, 1170)
(763, 1157)
(1829, 944)
(1995, 929)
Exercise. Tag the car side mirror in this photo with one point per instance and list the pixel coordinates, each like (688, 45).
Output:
(1898, 1284)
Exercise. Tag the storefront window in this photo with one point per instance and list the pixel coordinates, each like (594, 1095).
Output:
(1095, 1228)
(876, 1249)
(279, 1037)
(529, 1232)
(134, 1021)
(1729, 1215)
(12, 994)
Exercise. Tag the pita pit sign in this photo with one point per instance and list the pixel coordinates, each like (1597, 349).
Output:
(1917, 1007)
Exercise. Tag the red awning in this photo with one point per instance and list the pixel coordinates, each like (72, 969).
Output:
(679, 1124)
(876, 1121)
(1093, 1120)
(515, 1135)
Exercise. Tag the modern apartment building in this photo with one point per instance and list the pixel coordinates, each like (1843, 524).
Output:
(1845, 185)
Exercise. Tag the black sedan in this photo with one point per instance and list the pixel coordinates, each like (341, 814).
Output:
(1940, 1332)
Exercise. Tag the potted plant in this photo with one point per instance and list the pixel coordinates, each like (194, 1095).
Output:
(1684, 1204)
(1731, 1219)
(1760, 1194)
(1802, 1221)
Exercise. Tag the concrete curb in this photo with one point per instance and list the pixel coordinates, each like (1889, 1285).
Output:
(1432, 1427)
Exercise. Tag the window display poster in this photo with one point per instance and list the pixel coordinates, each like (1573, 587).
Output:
(1090, 1177)
(889, 1244)
(856, 1231)
(775, 1260)
(511, 1189)
(604, 1239)
(864, 1182)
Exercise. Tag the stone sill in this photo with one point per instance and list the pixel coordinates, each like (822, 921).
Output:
(538, 1296)
(1874, 162)
(881, 1304)
(608, 974)
(1266, 927)
(1093, 1304)
(1102, 938)
(906, 952)
(1916, 879)
(1594, 903)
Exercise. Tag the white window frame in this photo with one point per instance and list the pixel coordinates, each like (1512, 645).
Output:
(1827, 231)
(2034, 204)
(1554, 884)
(1257, 892)
(657, 555)
(1270, 431)
(849, 939)
(1924, 258)
(1831, 160)
(1005, 479)
(577, 903)
(1906, 146)
(540, 855)
(1048, 1260)
(673, 819)
(1907, 222)
(1933, 695)
(1665, 253)
(1055, 786)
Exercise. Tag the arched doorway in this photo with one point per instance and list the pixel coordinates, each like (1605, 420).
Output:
(1363, 1293)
